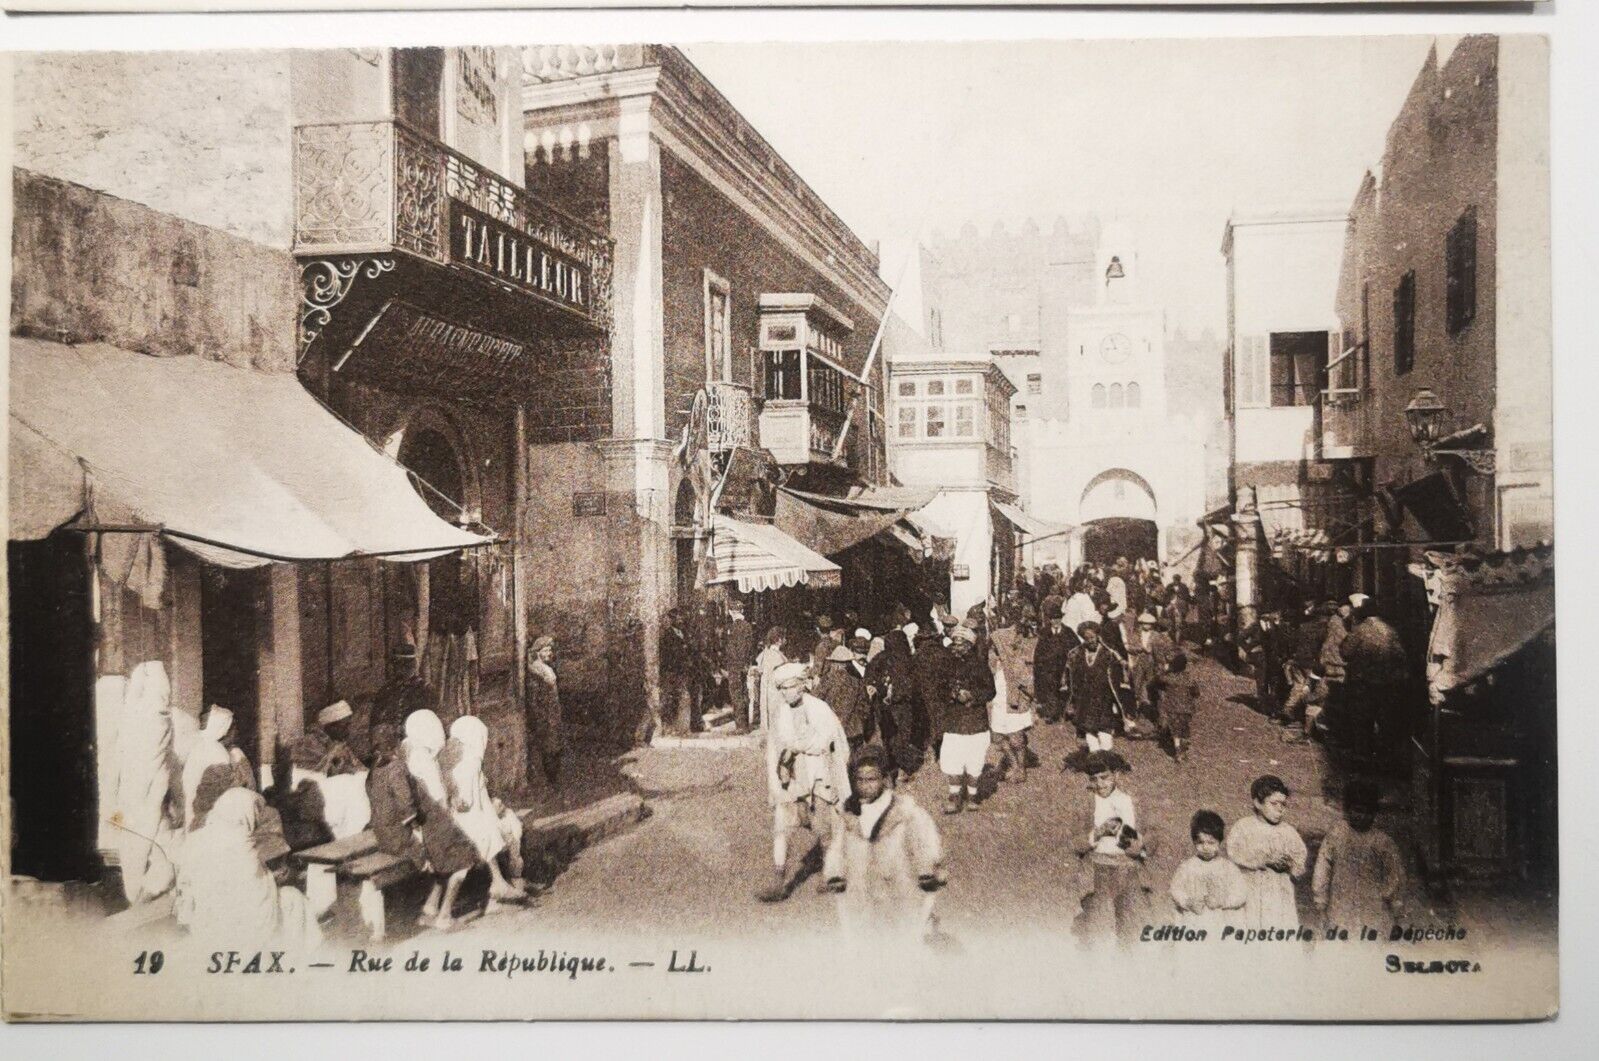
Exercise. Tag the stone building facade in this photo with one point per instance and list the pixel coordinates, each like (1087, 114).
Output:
(1099, 447)
(724, 259)
(1439, 294)
(308, 214)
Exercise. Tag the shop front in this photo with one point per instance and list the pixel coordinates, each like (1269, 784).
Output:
(165, 511)
(462, 327)
(1485, 780)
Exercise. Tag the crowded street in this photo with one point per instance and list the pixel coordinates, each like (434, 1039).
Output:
(626, 522)
(1011, 862)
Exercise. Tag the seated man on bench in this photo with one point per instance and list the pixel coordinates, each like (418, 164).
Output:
(409, 822)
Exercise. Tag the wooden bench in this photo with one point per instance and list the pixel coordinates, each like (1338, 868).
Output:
(358, 860)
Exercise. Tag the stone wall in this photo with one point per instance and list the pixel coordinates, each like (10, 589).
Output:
(92, 267)
(702, 230)
(569, 564)
(1440, 161)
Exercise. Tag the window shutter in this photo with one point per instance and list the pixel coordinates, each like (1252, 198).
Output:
(1345, 374)
(1254, 372)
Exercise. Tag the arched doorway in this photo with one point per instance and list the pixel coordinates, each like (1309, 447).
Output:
(1118, 517)
(1106, 539)
(432, 449)
(684, 520)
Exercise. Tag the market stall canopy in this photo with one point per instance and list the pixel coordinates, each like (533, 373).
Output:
(829, 525)
(1031, 526)
(760, 557)
(1489, 608)
(241, 468)
(1435, 506)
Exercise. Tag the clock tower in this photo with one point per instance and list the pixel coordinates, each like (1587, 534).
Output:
(1115, 354)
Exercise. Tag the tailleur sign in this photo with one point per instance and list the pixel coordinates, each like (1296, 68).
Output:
(516, 259)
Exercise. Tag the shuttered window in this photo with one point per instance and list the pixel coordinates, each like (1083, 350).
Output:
(1253, 372)
(1405, 324)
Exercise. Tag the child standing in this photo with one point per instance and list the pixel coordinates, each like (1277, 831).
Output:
(1008, 722)
(1207, 887)
(1359, 871)
(1179, 696)
(893, 858)
(1271, 853)
(1116, 906)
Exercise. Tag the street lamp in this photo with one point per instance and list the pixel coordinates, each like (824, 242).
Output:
(1425, 417)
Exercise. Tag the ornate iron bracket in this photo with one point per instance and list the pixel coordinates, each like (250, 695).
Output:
(324, 283)
(1479, 461)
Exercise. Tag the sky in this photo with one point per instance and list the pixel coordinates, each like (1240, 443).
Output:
(1168, 136)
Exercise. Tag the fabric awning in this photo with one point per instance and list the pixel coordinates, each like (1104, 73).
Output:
(241, 468)
(1432, 502)
(829, 525)
(922, 538)
(1489, 608)
(1030, 525)
(760, 557)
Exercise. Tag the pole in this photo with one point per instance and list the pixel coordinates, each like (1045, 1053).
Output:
(877, 342)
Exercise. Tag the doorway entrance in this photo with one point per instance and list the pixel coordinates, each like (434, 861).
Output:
(232, 603)
(1106, 539)
(55, 810)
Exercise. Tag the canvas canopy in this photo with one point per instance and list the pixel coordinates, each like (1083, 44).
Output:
(239, 467)
(759, 557)
(1489, 608)
(1031, 526)
(829, 525)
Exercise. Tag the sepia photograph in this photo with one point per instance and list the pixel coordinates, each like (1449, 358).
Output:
(960, 530)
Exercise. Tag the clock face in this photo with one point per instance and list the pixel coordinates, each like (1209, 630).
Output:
(1116, 348)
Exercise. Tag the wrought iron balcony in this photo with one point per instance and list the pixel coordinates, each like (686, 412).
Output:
(730, 417)
(366, 188)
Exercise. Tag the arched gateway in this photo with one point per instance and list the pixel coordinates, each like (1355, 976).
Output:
(1118, 518)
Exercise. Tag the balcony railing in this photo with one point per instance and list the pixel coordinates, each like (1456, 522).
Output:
(730, 417)
(1341, 417)
(797, 432)
(826, 426)
(375, 187)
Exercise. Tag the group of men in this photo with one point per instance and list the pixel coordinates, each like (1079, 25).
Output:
(705, 656)
(850, 697)
(1105, 647)
(1334, 668)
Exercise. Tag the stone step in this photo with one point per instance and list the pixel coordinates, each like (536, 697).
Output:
(589, 824)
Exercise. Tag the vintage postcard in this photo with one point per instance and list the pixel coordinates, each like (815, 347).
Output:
(934, 530)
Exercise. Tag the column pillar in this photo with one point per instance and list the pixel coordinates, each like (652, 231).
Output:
(638, 362)
(282, 701)
(638, 458)
(519, 562)
(1246, 558)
